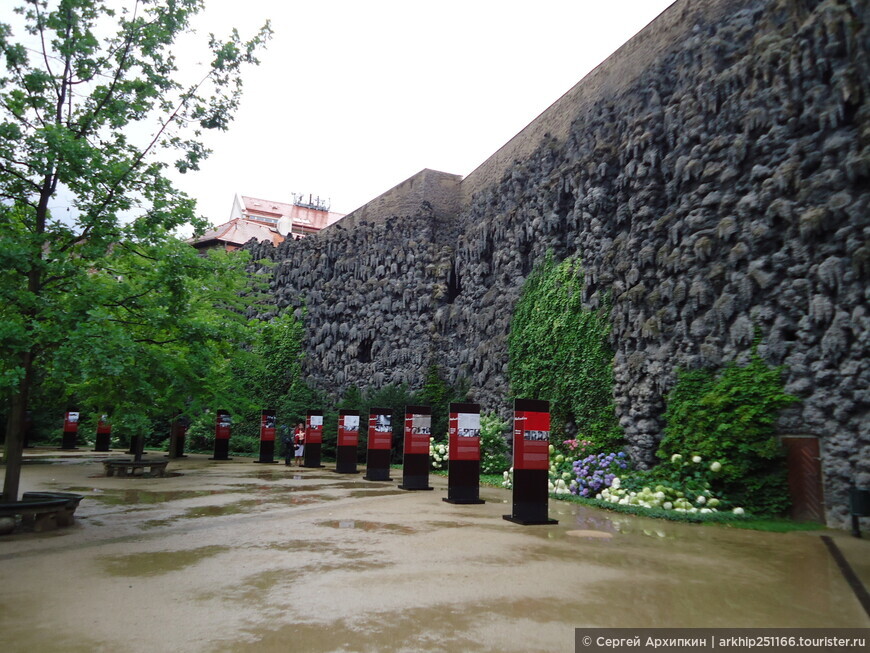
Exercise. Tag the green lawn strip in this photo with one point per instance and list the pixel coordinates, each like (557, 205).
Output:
(728, 519)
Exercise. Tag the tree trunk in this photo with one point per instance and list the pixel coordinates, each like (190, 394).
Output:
(138, 445)
(15, 427)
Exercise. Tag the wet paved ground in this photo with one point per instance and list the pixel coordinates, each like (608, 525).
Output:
(236, 556)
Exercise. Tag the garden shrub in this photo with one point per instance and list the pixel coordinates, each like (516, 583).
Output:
(493, 445)
(729, 416)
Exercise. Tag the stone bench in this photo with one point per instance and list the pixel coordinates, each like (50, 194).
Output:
(128, 467)
(43, 510)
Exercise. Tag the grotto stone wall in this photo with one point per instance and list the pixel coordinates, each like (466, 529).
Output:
(720, 192)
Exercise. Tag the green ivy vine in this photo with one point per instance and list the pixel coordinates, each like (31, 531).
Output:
(558, 351)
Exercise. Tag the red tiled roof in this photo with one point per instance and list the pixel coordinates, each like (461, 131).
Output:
(238, 232)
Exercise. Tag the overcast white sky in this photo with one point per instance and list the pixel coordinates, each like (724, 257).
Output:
(353, 97)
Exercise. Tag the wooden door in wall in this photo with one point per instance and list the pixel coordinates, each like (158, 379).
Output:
(805, 477)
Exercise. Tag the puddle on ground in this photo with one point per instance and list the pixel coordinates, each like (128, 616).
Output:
(447, 524)
(593, 535)
(134, 497)
(57, 460)
(158, 562)
(362, 494)
(437, 627)
(369, 526)
(233, 508)
(242, 487)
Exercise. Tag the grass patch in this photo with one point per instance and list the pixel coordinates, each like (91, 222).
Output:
(727, 519)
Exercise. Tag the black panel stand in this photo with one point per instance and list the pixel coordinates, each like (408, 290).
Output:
(415, 472)
(221, 449)
(378, 465)
(312, 455)
(530, 498)
(69, 440)
(103, 442)
(267, 452)
(463, 482)
(345, 460)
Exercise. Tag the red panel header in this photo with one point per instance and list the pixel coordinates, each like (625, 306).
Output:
(70, 422)
(103, 426)
(314, 427)
(222, 425)
(381, 428)
(348, 428)
(267, 426)
(464, 432)
(531, 434)
(418, 429)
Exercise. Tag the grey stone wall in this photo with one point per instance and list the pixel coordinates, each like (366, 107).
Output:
(718, 192)
(367, 297)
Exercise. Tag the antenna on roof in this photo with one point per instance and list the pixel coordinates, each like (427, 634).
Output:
(316, 203)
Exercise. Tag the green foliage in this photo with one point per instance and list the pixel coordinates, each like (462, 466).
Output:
(438, 395)
(729, 416)
(558, 352)
(105, 278)
(494, 450)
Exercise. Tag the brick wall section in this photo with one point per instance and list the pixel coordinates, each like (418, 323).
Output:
(439, 189)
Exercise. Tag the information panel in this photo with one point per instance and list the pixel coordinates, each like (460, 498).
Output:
(223, 422)
(463, 473)
(418, 429)
(348, 428)
(70, 422)
(314, 427)
(267, 426)
(381, 429)
(464, 432)
(531, 435)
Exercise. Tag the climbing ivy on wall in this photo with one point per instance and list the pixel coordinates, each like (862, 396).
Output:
(558, 351)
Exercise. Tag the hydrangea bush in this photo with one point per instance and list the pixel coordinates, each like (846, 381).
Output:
(683, 484)
(494, 451)
(595, 473)
(439, 454)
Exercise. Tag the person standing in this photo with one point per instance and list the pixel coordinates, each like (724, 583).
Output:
(299, 443)
(287, 441)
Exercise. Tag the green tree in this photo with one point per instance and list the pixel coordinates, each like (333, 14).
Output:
(163, 325)
(74, 94)
(438, 395)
